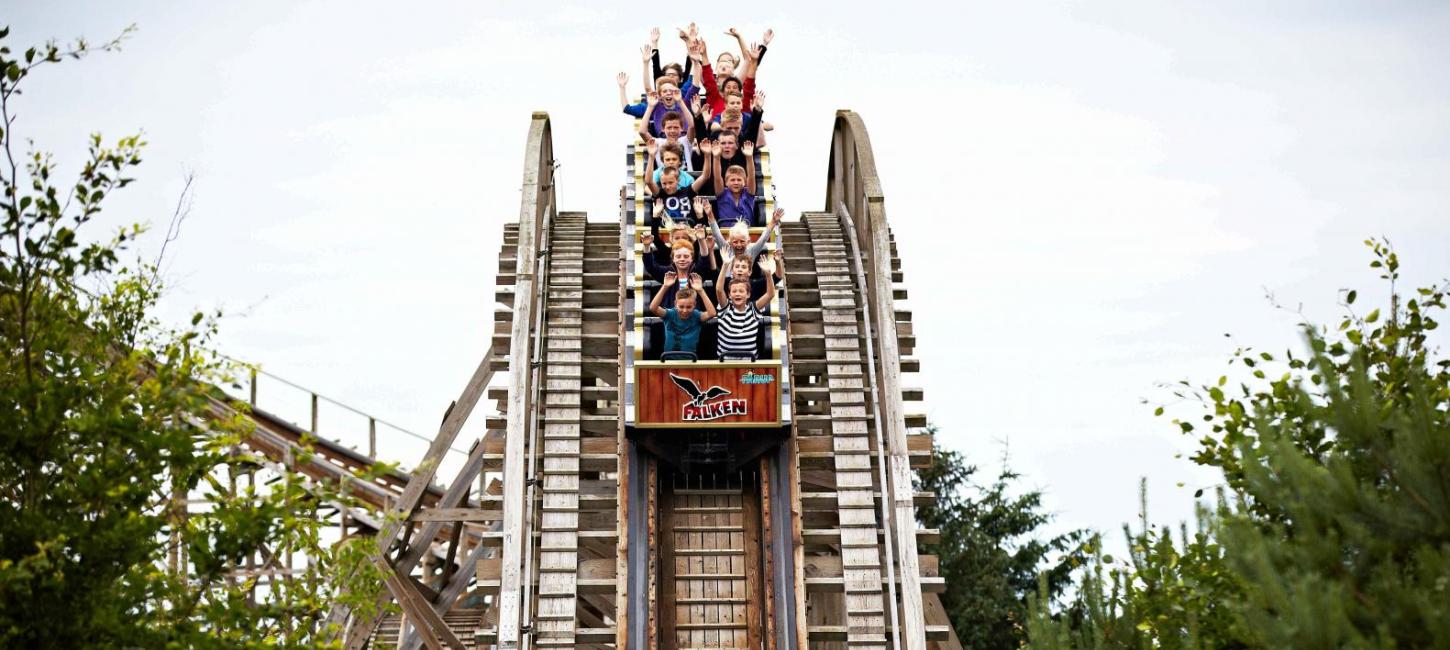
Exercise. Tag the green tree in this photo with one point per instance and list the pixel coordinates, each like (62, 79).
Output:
(1163, 594)
(108, 428)
(991, 552)
(1335, 527)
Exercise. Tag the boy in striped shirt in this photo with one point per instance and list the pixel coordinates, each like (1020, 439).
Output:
(740, 320)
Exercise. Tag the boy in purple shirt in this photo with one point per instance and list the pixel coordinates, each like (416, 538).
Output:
(737, 201)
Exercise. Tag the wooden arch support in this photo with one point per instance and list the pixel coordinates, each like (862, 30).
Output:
(852, 183)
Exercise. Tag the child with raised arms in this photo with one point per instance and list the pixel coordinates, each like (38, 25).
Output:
(736, 201)
(683, 322)
(739, 321)
(672, 185)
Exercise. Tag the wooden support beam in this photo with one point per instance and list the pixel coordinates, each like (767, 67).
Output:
(537, 199)
(428, 623)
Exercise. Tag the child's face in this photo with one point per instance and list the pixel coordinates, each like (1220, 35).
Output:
(728, 146)
(736, 182)
(683, 259)
(738, 243)
(735, 102)
(672, 131)
(679, 234)
(731, 126)
(739, 293)
(669, 182)
(685, 306)
(668, 93)
(670, 158)
(725, 66)
(731, 85)
(740, 268)
(673, 74)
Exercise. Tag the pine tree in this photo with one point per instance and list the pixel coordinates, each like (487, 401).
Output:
(990, 552)
(1335, 532)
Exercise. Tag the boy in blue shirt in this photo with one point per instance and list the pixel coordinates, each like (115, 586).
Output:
(683, 323)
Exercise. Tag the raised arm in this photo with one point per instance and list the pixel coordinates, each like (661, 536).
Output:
(764, 300)
(764, 238)
(705, 146)
(654, 303)
(652, 147)
(756, 54)
(688, 118)
(623, 80)
(654, 47)
(744, 53)
(653, 100)
(697, 106)
(715, 228)
(720, 283)
(647, 53)
(712, 86)
(699, 286)
(748, 148)
(752, 130)
(692, 62)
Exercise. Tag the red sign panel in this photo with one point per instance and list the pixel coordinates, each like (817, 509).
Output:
(707, 394)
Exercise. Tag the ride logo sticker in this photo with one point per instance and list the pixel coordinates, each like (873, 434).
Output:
(708, 404)
(706, 394)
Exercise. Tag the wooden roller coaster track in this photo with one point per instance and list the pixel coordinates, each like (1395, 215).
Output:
(561, 531)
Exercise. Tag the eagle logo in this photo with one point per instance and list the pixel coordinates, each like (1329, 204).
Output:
(698, 398)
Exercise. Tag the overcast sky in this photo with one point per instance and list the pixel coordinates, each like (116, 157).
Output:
(1088, 196)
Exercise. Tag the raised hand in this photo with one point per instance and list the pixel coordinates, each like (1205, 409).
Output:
(779, 214)
(759, 100)
(654, 96)
(698, 233)
(623, 79)
(659, 207)
(654, 38)
(670, 278)
(756, 51)
(779, 255)
(695, 203)
(769, 36)
(646, 52)
(732, 32)
(696, 283)
(747, 147)
(694, 31)
(647, 240)
(653, 146)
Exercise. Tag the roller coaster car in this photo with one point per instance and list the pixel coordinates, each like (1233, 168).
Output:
(692, 411)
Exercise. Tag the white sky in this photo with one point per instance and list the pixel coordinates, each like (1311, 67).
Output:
(1087, 195)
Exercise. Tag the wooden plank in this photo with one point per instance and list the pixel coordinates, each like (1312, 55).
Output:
(798, 544)
(751, 538)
